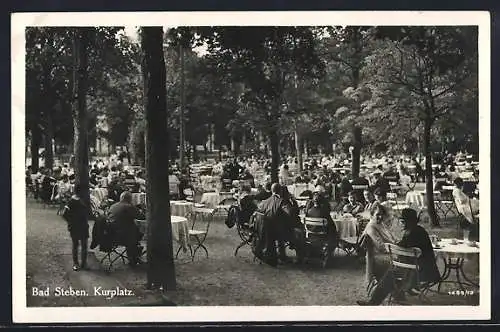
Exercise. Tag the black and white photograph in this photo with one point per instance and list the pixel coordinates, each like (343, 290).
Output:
(231, 166)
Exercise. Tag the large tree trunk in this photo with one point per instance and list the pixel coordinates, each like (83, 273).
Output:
(48, 137)
(161, 272)
(275, 154)
(182, 144)
(298, 150)
(429, 186)
(356, 153)
(80, 75)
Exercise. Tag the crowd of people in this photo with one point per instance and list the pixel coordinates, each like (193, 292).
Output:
(281, 224)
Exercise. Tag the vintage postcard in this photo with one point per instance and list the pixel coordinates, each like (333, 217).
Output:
(214, 167)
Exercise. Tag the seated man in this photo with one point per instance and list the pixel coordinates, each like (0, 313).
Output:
(247, 204)
(415, 236)
(353, 206)
(122, 216)
(277, 213)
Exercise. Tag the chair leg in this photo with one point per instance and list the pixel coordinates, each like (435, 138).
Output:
(242, 244)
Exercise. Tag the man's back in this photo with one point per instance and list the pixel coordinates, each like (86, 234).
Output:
(122, 213)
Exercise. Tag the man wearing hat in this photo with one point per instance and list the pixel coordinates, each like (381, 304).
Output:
(414, 236)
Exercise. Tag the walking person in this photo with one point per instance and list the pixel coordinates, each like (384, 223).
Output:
(76, 214)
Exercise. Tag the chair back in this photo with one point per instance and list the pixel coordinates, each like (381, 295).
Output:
(315, 226)
(201, 218)
(403, 258)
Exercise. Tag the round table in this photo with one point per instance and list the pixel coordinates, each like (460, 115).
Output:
(180, 230)
(181, 208)
(139, 198)
(347, 227)
(210, 199)
(99, 193)
(418, 199)
(298, 188)
(454, 256)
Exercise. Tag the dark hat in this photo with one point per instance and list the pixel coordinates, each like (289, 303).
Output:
(409, 215)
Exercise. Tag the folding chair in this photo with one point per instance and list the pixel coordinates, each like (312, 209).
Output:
(245, 232)
(112, 255)
(396, 206)
(405, 270)
(201, 217)
(446, 203)
(317, 227)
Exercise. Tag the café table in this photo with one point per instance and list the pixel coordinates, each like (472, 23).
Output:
(139, 199)
(347, 226)
(298, 188)
(99, 193)
(418, 199)
(180, 230)
(454, 253)
(181, 208)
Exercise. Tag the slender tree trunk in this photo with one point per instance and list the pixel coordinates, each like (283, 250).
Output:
(48, 136)
(298, 150)
(275, 154)
(356, 153)
(429, 186)
(183, 104)
(35, 146)
(161, 271)
(80, 75)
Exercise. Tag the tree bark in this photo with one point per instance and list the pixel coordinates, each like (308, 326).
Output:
(356, 153)
(429, 186)
(275, 154)
(298, 150)
(161, 271)
(80, 77)
(48, 136)
(35, 146)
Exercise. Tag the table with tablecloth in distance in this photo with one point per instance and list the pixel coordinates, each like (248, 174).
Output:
(418, 199)
(346, 226)
(181, 208)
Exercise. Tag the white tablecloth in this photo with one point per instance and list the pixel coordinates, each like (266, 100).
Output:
(180, 230)
(210, 199)
(418, 199)
(460, 250)
(139, 198)
(99, 193)
(298, 188)
(181, 208)
(346, 226)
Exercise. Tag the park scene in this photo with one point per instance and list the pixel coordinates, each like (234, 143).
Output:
(252, 166)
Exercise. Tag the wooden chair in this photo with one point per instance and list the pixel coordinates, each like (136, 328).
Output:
(405, 270)
(316, 234)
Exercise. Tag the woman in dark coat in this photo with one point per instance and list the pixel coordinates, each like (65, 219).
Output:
(76, 215)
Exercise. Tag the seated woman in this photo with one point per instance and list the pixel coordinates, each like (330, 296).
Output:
(415, 236)
(391, 221)
(353, 206)
(375, 235)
